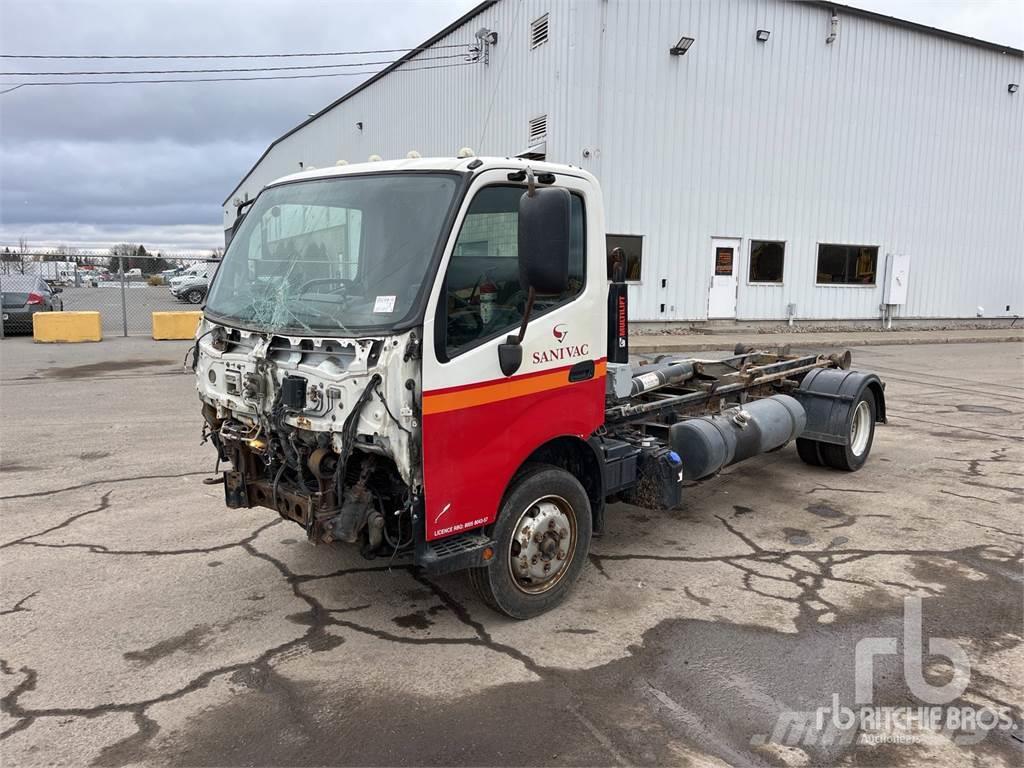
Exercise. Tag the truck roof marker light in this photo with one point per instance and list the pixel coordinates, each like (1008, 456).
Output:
(412, 154)
(342, 162)
(375, 158)
(466, 152)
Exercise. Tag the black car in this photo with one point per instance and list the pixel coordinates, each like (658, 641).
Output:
(21, 296)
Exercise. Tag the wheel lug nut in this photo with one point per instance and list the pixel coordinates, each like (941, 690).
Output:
(551, 525)
(547, 567)
(533, 560)
(561, 554)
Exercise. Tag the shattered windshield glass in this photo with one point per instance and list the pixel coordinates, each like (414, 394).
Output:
(332, 255)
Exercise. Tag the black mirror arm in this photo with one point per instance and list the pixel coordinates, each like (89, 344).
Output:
(526, 315)
(510, 354)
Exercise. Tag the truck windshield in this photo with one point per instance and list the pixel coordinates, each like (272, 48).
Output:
(333, 255)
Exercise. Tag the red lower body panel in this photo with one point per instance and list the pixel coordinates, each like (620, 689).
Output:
(475, 438)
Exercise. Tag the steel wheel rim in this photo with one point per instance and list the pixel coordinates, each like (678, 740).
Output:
(544, 535)
(860, 428)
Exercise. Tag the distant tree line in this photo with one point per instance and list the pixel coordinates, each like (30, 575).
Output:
(122, 256)
(131, 256)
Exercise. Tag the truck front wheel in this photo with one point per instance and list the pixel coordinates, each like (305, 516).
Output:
(542, 537)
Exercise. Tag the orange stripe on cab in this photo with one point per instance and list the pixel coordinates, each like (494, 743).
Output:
(505, 389)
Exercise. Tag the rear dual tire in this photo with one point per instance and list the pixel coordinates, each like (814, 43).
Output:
(542, 537)
(860, 434)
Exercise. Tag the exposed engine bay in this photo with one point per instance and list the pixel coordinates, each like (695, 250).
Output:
(323, 430)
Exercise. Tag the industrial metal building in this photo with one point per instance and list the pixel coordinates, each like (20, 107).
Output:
(760, 159)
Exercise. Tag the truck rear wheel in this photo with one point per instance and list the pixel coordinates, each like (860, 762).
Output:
(810, 451)
(860, 435)
(542, 537)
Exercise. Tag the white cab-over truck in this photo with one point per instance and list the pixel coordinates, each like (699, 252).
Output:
(427, 359)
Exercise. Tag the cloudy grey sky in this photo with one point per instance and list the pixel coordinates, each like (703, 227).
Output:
(93, 165)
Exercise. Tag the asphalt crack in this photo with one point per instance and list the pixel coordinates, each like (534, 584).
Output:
(104, 504)
(91, 483)
(19, 607)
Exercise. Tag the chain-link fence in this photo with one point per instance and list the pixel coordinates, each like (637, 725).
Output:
(126, 291)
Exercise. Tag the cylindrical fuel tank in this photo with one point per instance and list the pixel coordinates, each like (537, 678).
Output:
(710, 443)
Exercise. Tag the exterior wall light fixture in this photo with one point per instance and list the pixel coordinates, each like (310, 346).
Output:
(763, 35)
(1013, 87)
(680, 48)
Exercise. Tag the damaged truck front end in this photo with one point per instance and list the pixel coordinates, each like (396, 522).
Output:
(308, 356)
(306, 428)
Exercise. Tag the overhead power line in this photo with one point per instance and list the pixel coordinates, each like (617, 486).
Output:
(224, 79)
(220, 55)
(79, 73)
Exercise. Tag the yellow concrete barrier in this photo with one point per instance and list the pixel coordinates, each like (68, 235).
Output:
(175, 325)
(66, 326)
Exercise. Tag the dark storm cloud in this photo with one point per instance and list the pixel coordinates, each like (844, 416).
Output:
(152, 162)
(158, 182)
(93, 162)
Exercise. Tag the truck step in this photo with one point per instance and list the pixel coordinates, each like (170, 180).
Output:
(454, 553)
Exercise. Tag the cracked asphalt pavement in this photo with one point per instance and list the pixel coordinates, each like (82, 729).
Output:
(142, 623)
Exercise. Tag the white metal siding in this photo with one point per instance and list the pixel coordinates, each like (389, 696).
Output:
(889, 137)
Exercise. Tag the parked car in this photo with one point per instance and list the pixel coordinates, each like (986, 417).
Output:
(21, 296)
(169, 274)
(191, 289)
(191, 285)
(95, 277)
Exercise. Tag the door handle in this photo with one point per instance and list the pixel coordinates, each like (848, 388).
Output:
(582, 371)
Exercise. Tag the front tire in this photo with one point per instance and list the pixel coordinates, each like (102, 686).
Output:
(194, 297)
(542, 537)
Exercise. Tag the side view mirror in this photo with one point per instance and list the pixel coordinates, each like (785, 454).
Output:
(544, 240)
(543, 259)
(510, 355)
(56, 289)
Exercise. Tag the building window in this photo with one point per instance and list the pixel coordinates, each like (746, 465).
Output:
(632, 250)
(847, 264)
(766, 257)
(483, 297)
(539, 31)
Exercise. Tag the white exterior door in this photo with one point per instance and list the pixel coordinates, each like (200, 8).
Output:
(725, 254)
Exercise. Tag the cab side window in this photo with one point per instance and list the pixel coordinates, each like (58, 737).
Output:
(483, 297)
